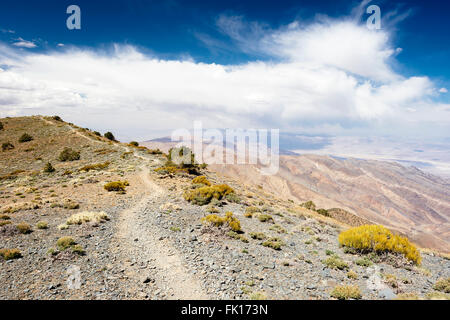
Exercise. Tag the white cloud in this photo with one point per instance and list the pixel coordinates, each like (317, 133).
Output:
(24, 44)
(8, 31)
(337, 44)
(443, 90)
(328, 77)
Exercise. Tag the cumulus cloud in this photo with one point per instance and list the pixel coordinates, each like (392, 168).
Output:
(329, 76)
(443, 90)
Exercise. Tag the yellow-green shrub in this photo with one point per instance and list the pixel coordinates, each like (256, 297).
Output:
(442, 285)
(204, 195)
(9, 254)
(65, 242)
(231, 221)
(379, 239)
(116, 186)
(334, 262)
(170, 170)
(344, 292)
(274, 243)
(250, 211)
(42, 225)
(96, 166)
(258, 235)
(201, 180)
(265, 218)
(24, 228)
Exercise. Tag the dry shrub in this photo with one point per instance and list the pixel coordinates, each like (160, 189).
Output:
(9, 254)
(442, 285)
(204, 195)
(345, 292)
(116, 186)
(201, 180)
(24, 228)
(374, 238)
(69, 155)
(87, 216)
(96, 166)
(229, 220)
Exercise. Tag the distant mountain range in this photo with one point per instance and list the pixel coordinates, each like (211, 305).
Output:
(405, 199)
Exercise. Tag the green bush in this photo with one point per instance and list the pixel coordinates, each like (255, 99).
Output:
(7, 146)
(265, 218)
(258, 235)
(323, 212)
(309, 205)
(69, 155)
(65, 242)
(97, 133)
(1, 126)
(250, 211)
(42, 225)
(364, 262)
(57, 118)
(334, 262)
(25, 138)
(274, 243)
(134, 143)
(108, 135)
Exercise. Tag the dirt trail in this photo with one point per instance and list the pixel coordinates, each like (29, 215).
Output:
(139, 240)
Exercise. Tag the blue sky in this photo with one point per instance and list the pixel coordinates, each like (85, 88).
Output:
(171, 28)
(308, 67)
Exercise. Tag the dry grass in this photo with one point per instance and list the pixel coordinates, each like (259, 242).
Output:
(87, 216)
(345, 292)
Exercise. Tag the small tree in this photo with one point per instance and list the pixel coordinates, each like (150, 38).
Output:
(110, 136)
(25, 138)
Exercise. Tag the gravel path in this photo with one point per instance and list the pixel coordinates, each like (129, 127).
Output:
(139, 237)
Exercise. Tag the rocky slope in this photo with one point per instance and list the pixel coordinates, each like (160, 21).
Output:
(406, 199)
(153, 245)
